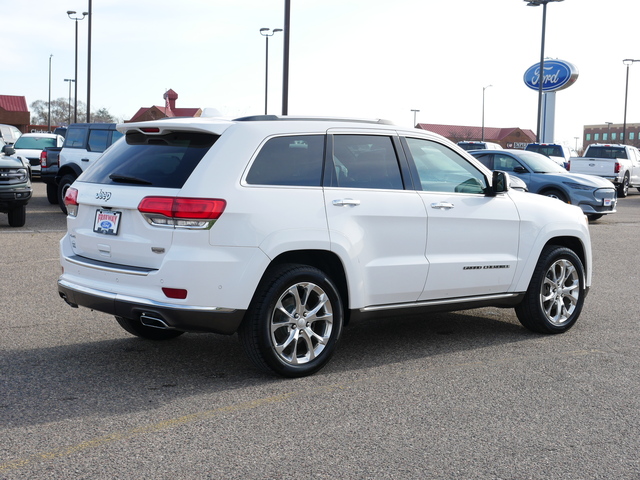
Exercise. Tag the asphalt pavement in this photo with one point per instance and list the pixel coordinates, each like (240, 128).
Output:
(466, 395)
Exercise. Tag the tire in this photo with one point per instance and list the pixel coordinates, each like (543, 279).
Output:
(623, 188)
(18, 216)
(52, 193)
(553, 193)
(555, 296)
(63, 186)
(135, 327)
(294, 321)
(594, 216)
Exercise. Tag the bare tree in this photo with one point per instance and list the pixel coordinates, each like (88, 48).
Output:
(62, 113)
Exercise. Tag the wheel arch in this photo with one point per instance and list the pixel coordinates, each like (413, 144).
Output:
(323, 260)
(68, 169)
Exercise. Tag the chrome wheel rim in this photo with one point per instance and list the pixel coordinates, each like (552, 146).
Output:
(560, 291)
(301, 323)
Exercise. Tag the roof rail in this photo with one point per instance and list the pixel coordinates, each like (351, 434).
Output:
(264, 118)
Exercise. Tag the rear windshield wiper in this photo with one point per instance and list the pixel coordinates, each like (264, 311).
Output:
(126, 179)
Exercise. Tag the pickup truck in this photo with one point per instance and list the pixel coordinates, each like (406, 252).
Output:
(48, 171)
(618, 163)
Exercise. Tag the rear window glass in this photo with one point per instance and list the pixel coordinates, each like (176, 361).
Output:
(606, 152)
(164, 161)
(548, 150)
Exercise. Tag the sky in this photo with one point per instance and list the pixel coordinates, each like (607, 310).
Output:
(348, 58)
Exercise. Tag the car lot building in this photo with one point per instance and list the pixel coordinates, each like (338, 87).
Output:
(611, 133)
(512, 137)
(169, 110)
(14, 111)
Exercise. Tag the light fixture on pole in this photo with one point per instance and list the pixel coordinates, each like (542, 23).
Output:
(627, 62)
(537, 3)
(70, 80)
(49, 115)
(483, 89)
(266, 33)
(75, 100)
(414, 116)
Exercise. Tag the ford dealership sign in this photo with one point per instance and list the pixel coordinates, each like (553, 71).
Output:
(558, 75)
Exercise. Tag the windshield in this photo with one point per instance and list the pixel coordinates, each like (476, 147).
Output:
(540, 164)
(35, 143)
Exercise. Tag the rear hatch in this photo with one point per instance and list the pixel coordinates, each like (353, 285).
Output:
(124, 202)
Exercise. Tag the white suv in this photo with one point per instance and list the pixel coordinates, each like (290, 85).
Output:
(283, 229)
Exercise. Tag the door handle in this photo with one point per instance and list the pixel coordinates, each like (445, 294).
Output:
(346, 202)
(442, 205)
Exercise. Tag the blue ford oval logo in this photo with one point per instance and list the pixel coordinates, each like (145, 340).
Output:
(106, 224)
(558, 75)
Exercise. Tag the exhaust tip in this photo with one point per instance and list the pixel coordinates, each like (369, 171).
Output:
(150, 320)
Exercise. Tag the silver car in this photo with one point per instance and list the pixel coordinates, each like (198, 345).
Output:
(595, 195)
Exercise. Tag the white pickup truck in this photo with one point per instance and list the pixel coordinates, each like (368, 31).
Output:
(618, 163)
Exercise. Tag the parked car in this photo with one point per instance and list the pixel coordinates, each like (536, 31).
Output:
(473, 145)
(283, 229)
(9, 133)
(31, 145)
(84, 143)
(617, 163)
(15, 187)
(596, 196)
(556, 152)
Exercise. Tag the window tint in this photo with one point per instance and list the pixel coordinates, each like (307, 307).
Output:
(365, 161)
(440, 169)
(292, 160)
(505, 163)
(98, 140)
(607, 152)
(75, 138)
(151, 160)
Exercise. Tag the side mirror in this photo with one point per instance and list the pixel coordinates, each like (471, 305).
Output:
(499, 183)
(8, 150)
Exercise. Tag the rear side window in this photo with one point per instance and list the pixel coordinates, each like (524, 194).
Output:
(291, 160)
(164, 161)
(98, 140)
(75, 138)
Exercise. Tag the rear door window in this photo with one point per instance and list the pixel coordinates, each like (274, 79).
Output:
(365, 161)
(75, 138)
(164, 161)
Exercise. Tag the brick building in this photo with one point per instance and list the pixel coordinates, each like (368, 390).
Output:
(14, 111)
(512, 137)
(611, 133)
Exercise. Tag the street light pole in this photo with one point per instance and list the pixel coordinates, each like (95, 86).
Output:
(75, 100)
(483, 89)
(608, 129)
(70, 80)
(627, 62)
(537, 3)
(414, 117)
(285, 58)
(266, 33)
(90, 14)
(49, 115)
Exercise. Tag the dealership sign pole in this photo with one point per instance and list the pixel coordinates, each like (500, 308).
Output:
(557, 75)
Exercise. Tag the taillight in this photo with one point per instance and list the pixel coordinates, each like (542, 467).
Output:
(43, 159)
(200, 213)
(71, 201)
(568, 165)
(616, 168)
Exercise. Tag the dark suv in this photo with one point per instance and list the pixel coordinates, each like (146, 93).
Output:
(15, 187)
